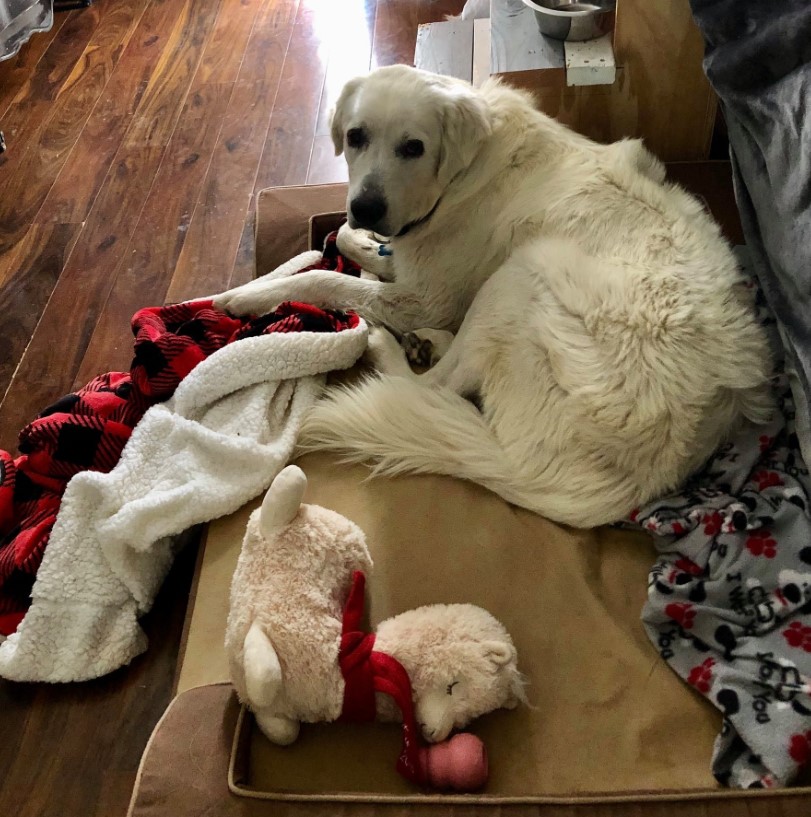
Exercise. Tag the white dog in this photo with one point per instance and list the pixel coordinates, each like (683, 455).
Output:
(601, 320)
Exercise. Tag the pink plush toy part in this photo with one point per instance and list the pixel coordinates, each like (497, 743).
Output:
(459, 764)
(298, 654)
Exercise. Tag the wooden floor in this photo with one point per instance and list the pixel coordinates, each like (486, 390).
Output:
(139, 132)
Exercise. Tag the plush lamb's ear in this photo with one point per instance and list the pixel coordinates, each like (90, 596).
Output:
(339, 112)
(518, 691)
(499, 652)
(465, 125)
(283, 500)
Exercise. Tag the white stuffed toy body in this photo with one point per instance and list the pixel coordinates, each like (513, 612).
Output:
(285, 624)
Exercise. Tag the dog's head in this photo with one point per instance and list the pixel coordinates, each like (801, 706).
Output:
(406, 135)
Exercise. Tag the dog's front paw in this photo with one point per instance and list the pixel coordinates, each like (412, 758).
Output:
(250, 299)
(363, 248)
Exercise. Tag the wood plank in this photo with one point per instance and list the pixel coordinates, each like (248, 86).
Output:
(50, 73)
(325, 166)
(144, 276)
(27, 278)
(57, 347)
(481, 51)
(245, 264)
(28, 166)
(515, 42)
(395, 32)
(15, 72)
(225, 50)
(165, 94)
(209, 251)
(666, 97)
(34, 168)
(79, 181)
(286, 154)
(446, 48)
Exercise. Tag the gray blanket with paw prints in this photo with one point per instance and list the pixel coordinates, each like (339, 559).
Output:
(729, 600)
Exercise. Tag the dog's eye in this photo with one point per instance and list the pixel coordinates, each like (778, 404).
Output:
(451, 686)
(411, 149)
(356, 137)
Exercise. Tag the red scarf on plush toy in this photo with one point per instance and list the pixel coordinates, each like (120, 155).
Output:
(367, 671)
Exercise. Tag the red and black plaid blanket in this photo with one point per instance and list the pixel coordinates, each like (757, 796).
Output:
(88, 429)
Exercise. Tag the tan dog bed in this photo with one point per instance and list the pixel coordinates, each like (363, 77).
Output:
(611, 731)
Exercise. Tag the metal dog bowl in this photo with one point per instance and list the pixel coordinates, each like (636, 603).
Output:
(573, 19)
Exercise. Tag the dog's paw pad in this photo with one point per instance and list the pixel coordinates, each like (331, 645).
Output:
(418, 351)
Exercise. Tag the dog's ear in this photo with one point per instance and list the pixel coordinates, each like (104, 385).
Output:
(465, 125)
(339, 111)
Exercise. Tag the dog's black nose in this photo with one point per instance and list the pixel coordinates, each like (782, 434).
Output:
(368, 209)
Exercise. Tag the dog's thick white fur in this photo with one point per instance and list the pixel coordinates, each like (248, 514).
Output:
(601, 319)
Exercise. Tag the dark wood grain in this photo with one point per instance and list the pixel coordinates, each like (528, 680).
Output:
(395, 33)
(29, 105)
(224, 203)
(169, 83)
(58, 344)
(74, 192)
(144, 275)
(17, 71)
(36, 164)
(27, 278)
(50, 363)
(29, 166)
(144, 272)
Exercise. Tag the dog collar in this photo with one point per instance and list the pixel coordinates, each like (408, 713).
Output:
(412, 224)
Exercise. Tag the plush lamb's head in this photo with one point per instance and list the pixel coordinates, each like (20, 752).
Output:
(461, 662)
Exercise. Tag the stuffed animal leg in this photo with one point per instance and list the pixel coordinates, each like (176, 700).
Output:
(263, 678)
(263, 672)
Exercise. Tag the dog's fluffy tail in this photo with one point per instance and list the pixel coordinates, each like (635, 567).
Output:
(402, 427)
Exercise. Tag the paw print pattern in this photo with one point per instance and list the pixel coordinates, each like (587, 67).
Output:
(798, 635)
(766, 479)
(687, 566)
(701, 676)
(684, 614)
(761, 543)
(800, 748)
(712, 523)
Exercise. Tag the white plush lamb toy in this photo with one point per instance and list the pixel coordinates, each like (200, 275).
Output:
(297, 653)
